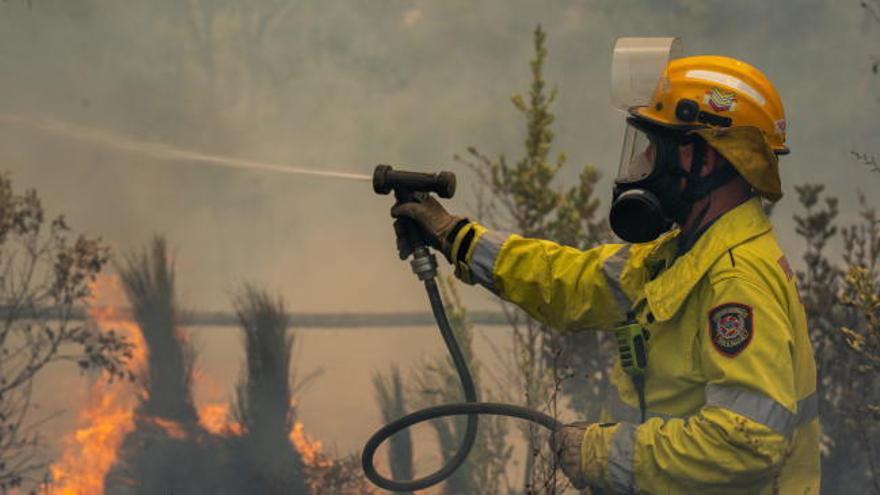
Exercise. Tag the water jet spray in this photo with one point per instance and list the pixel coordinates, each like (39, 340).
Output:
(161, 151)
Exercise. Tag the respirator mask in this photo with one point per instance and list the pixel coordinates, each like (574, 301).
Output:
(644, 203)
(653, 190)
(649, 191)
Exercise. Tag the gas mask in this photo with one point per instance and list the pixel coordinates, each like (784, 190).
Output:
(649, 195)
(653, 190)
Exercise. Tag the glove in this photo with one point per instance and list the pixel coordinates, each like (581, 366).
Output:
(437, 226)
(566, 445)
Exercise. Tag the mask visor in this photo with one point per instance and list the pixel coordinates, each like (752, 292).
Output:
(638, 156)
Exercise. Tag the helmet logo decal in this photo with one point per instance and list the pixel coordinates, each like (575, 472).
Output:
(720, 100)
(731, 327)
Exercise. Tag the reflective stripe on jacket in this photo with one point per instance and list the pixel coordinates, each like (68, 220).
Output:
(731, 379)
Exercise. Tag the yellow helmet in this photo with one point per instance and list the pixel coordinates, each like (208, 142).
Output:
(733, 106)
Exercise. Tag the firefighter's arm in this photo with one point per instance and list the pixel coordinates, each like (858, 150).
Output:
(741, 435)
(566, 288)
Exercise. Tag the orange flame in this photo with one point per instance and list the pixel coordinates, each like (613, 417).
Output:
(309, 448)
(215, 418)
(172, 428)
(90, 452)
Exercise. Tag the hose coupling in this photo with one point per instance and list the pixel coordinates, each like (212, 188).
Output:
(424, 264)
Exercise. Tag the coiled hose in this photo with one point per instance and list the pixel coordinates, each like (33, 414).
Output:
(471, 408)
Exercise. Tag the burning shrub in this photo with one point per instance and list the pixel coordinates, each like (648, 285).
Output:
(263, 402)
(46, 275)
(150, 439)
(167, 451)
(148, 280)
(274, 448)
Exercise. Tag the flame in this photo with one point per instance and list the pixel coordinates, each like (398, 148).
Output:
(172, 428)
(213, 408)
(215, 418)
(309, 448)
(90, 451)
(322, 470)
(107, 299)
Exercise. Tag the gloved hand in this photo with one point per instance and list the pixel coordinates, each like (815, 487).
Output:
(566, 445)
(434, 221)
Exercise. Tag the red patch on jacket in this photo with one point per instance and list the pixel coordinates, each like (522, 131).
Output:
(731, 327)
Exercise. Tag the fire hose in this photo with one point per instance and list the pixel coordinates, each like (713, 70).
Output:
(424, 265)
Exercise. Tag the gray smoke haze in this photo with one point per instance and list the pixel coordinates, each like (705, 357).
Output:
(345, 85)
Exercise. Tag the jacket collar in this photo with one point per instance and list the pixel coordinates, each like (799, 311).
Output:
(667, 292)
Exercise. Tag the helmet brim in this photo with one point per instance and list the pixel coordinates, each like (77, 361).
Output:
(649, 121)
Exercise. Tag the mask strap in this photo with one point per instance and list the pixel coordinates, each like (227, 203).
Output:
(694, 188)
(698, 187)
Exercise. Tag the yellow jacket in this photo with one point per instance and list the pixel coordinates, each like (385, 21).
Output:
(731, 381)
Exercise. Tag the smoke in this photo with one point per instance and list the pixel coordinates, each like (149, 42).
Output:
(347, 85)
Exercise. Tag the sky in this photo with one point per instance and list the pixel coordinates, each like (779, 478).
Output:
(343, 86)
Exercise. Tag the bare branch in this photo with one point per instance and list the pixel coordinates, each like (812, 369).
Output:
(41, 268)
(869, 161)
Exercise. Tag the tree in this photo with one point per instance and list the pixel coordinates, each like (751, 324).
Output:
(861, 292)
(522, 197)
(818, 285)
(46, 272)
(843, 307)
(841, 302)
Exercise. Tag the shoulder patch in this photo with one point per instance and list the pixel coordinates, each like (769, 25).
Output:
(731, 327)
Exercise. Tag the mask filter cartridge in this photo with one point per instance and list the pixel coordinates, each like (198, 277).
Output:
(637, 216)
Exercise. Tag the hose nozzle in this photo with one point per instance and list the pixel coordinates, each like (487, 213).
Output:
(405, 186)
(403, 183)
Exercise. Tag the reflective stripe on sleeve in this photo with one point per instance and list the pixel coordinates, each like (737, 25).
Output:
(621, 477)
(808, 409)
(483, 259)
(761, 408)
(612, 268)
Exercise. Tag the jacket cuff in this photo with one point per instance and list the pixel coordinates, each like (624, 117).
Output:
(474, 252)
(463, 244)
(607, 456)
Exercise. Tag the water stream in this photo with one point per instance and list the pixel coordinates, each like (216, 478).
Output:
(105, 139)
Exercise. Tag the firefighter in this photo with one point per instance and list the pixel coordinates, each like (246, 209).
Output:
(728, 396)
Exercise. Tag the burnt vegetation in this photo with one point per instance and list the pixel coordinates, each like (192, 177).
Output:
(169, 451)
(165, 447)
